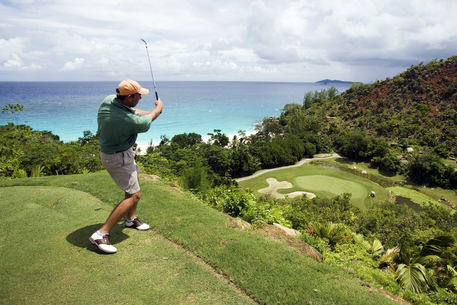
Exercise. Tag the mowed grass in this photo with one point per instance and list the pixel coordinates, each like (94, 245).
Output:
(324, 182)
(320, 183)
(47, 258)
(417, 197)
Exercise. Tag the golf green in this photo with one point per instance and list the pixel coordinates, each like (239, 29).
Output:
(324, 182)
(336, 186)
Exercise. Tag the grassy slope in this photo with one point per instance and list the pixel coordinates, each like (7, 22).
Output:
(46, 257)
(312, 179)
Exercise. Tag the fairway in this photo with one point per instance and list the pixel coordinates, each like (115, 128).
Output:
(336, 186)
(322, 181)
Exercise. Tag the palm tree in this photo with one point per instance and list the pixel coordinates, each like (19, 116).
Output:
(421, 268)
(414, 277)
(452, 283)
(445, 247)
(332, 233)
(376, 248)
(388, 260)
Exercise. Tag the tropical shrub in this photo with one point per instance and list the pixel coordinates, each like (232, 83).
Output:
(230, 200)
(195, 179)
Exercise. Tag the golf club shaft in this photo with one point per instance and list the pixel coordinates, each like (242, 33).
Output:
(150, 68)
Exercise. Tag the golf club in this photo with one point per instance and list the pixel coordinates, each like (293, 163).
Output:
(150, 67)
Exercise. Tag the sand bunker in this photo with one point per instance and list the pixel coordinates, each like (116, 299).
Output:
(274, 185)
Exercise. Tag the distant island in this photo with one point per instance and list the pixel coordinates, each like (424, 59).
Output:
(334, 81)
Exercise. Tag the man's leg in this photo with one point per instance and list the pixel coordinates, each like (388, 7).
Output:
(101, 238)
(132, 221)
(125, 207)
(131, 214)
(122, 168)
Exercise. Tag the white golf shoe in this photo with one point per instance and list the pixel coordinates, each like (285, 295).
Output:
(136, 224)
(102, 242)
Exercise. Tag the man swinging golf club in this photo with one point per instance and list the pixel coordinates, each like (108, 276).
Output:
(118, 126)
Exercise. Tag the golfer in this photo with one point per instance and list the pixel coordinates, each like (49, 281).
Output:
(118, 126)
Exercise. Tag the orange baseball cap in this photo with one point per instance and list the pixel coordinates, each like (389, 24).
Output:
(127, 87)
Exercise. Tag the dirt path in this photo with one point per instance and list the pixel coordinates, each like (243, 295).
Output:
(299, 163)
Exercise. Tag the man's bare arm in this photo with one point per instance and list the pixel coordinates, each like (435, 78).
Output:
(152, 113)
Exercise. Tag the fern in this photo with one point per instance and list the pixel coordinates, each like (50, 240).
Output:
(37, 171)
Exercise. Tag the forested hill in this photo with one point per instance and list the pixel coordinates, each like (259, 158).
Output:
(416, 107)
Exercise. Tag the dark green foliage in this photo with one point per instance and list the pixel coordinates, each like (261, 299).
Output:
(426, 266)
(218, 138)
(309, 149)
(185, 153)
(155, 163)
(430, 170)
(443, 296)
(330, 232)
(318, 142)
(388, 163)
(302, 211)
(442, 219)
(23, 149)
(218, 159)
(450, 92)
(279, 151)
(359, 147)
(318, 96)
(270, 128)
(195, 179)
(392, 223)
(186, 140)
(242, 162)
(300, 121)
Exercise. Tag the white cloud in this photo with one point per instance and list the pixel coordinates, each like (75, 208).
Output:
(290, 40)
(14, 61)
(11, 57)
(74, 64)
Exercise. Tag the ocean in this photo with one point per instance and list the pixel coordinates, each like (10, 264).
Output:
(67, 109)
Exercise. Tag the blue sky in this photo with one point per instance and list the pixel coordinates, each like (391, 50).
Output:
(261, 40)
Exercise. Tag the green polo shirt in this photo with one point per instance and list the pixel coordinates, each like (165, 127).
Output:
(118, 125)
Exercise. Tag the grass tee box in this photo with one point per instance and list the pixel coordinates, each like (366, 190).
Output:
(47, 258)
(324, 182)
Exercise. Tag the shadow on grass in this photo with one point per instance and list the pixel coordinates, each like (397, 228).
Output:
(80, 237)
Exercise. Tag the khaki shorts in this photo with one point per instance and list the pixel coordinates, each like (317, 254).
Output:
(123, 169)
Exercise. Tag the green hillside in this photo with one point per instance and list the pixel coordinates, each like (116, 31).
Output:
(416, 107)
(190, 257)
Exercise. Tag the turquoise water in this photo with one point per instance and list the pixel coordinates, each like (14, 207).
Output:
(69, 108)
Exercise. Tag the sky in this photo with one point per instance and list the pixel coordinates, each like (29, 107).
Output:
(230, 40)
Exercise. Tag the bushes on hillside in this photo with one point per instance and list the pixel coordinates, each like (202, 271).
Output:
(428, 169)
(359, 147)
(243, 204)
(24, 151)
